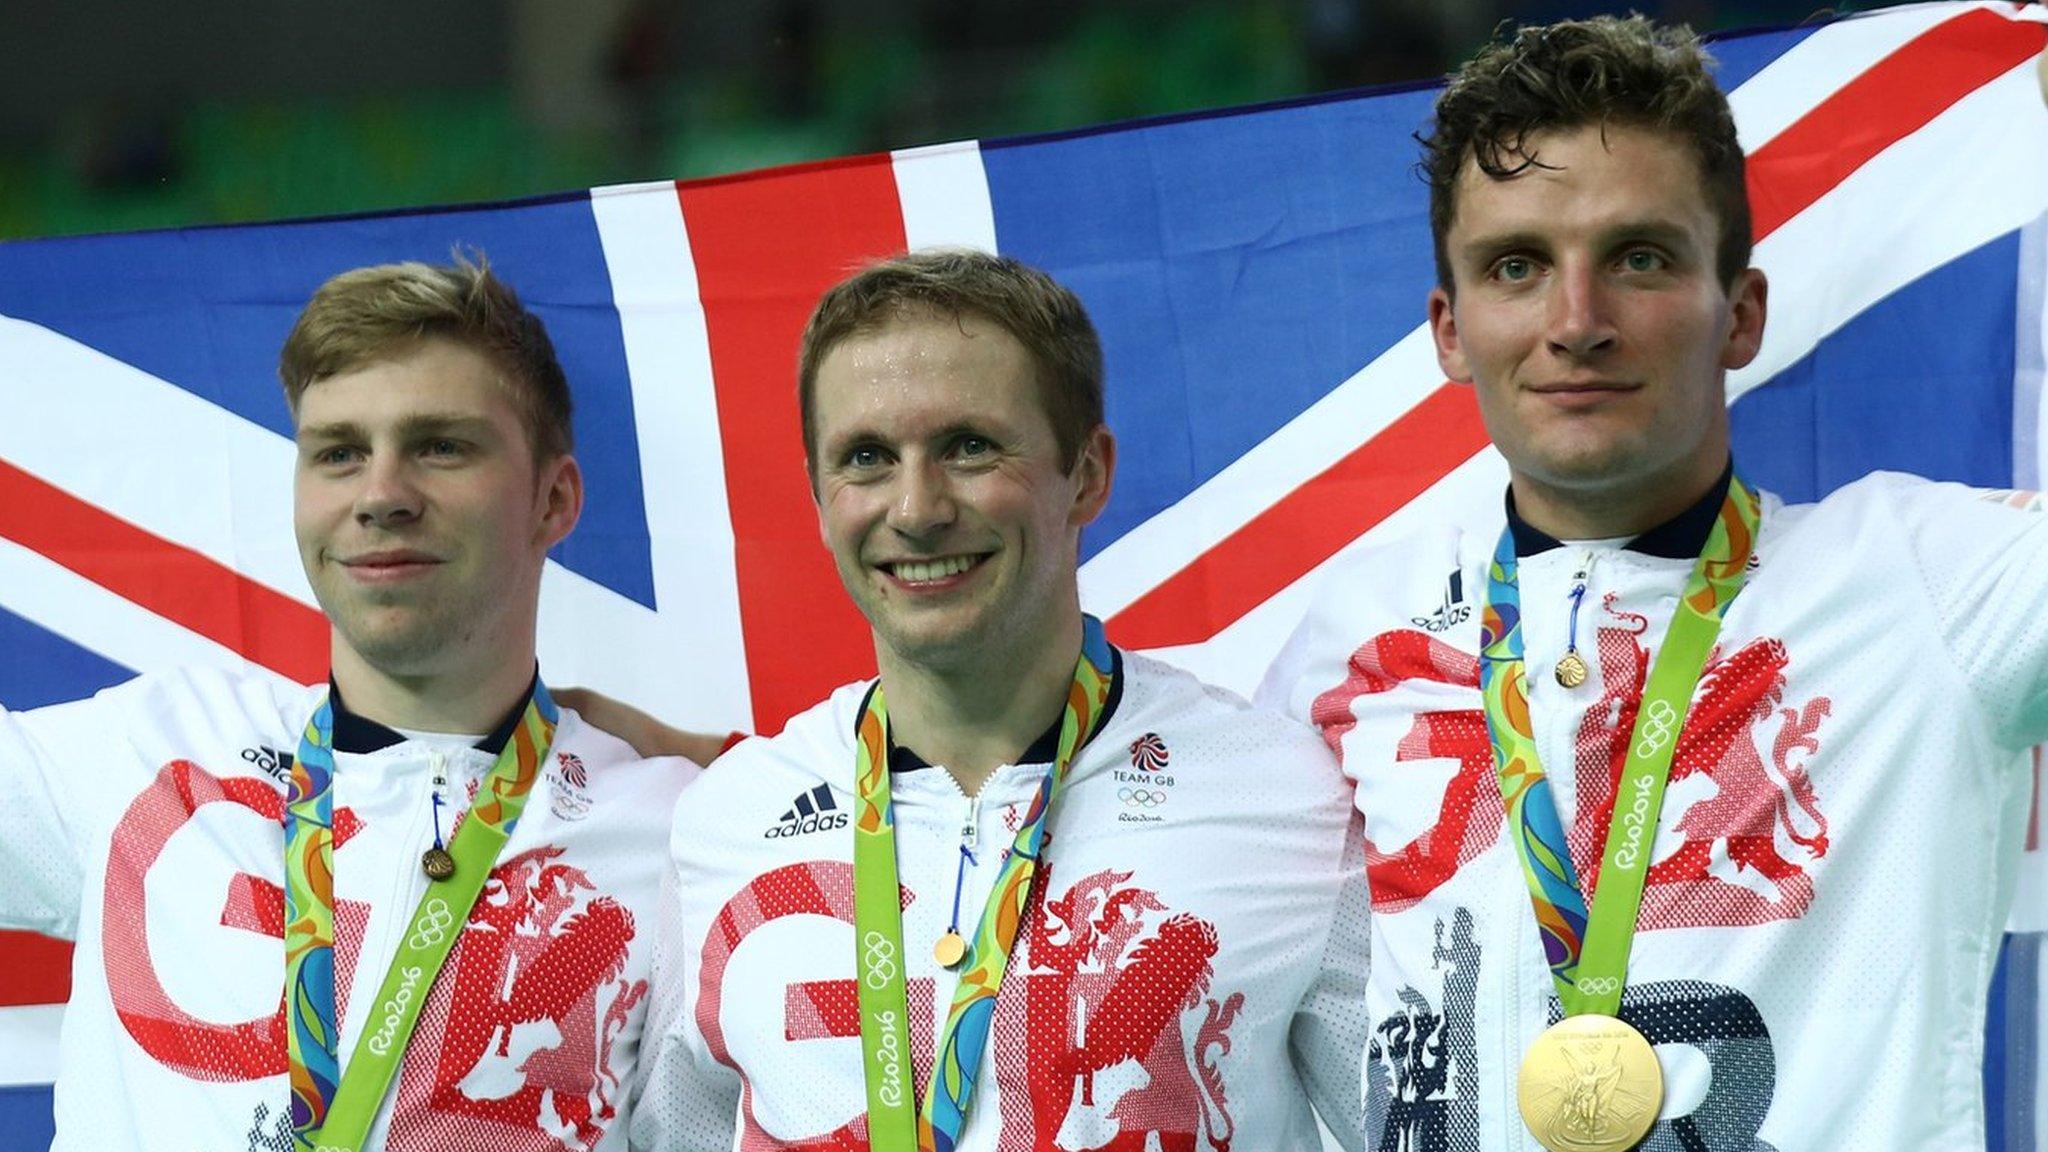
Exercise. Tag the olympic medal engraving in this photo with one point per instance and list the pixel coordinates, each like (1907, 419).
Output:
(1590, 1084)
(1571, 670)
(437, 864)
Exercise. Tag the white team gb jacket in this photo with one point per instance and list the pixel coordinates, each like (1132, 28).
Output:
(1836, 852)
(1188, 974)
(144, 823)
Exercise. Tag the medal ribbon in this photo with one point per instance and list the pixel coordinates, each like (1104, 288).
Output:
(334, 1113)
(1588, 953)
(895, 1123)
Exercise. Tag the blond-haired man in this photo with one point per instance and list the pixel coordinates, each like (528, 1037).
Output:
(1023, 890)
(409, 908)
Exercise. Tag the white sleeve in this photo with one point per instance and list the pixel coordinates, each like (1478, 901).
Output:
(1983, 562)
(683, 1100)
(59, 768)
(1278, 684)
(1332, 1025)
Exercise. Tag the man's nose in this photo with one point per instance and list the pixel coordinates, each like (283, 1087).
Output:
(922, 502)
(390, 493)
(1580, 321)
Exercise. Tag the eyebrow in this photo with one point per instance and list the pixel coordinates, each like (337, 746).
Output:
(411, 428)
(863, 435)
(1660, 231)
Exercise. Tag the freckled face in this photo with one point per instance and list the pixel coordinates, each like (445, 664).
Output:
(941, 493)
(1589, 316)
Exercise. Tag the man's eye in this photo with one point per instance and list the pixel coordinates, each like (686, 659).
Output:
(336, 455)
(864, 457)
(1643, 260)
(443, 446)
(971, 447)
(1514, 269)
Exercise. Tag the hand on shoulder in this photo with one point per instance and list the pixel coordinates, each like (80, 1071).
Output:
(648, 736)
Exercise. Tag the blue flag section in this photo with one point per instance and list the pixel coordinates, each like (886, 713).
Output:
(1259, 278)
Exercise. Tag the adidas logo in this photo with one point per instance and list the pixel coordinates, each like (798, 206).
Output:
(813, 811)
(1452, 612)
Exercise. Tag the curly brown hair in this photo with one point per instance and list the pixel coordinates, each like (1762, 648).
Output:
(1619, 70)
(1043, 315)
(366, 314)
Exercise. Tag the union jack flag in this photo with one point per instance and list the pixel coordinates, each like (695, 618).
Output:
(1258, 276)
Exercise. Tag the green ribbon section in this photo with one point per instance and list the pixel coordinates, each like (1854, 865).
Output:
(436, 923)
(895, 1122)
(1590, 969)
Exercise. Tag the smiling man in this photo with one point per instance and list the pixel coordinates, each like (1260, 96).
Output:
(1023, 890)
(1691, 815)
(407, 909)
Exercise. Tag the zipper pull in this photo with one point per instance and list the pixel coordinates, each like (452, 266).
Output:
(970, 832)
(1571, 670)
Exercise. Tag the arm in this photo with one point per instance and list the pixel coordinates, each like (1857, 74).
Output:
(1332, 1025)
(648, 736)
(52, 790)
(1982, 561)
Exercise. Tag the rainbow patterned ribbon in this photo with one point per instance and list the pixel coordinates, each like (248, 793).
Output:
(1588, 951)
(312, 1031)
(894, 1122)
(310, 1038)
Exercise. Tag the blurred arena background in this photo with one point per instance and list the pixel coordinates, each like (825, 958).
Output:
(117, 116)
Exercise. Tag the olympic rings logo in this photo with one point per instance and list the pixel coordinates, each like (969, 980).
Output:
(1142, 797)
(1600, 986)
(878, 957)
(1660, 721)
(432, 926)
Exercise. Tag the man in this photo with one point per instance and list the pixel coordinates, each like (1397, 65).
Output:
(1023, 890)
(1795, 905)
(209, 838)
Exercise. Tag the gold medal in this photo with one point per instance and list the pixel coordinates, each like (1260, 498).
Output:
(1590, 1084)
(437, 863)
(950, 949)
(1571, 670)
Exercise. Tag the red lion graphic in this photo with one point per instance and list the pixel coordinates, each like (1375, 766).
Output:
(1109, 994)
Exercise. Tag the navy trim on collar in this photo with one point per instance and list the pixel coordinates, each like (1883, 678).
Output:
(1043, 750)
(1679, 538)
(360, 734)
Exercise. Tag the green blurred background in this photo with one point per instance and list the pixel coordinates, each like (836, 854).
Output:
(115, 115)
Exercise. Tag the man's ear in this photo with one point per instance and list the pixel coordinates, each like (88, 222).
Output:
(817, 501)
(561, 499)
(1748, 304)
(1443, 332)
(1095, 473)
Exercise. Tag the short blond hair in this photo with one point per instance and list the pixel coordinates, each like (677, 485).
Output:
(366, 314)
(1040, 313)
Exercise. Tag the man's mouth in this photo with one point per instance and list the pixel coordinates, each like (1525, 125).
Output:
(395, 564)
(936, 570)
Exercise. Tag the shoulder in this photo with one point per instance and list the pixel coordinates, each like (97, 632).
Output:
(815, 747)
(1429, 581)
(608, 764)
(1163, 705)
(1911, 513)
(202, 700)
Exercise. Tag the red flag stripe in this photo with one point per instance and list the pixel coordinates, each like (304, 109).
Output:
(172, 581)
(1308, 526)
(1895, 98)
(765, 249)
(1898, 96)
(37, 969)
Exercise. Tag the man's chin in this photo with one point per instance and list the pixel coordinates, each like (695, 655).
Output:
(412, 650)
(957, 643)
